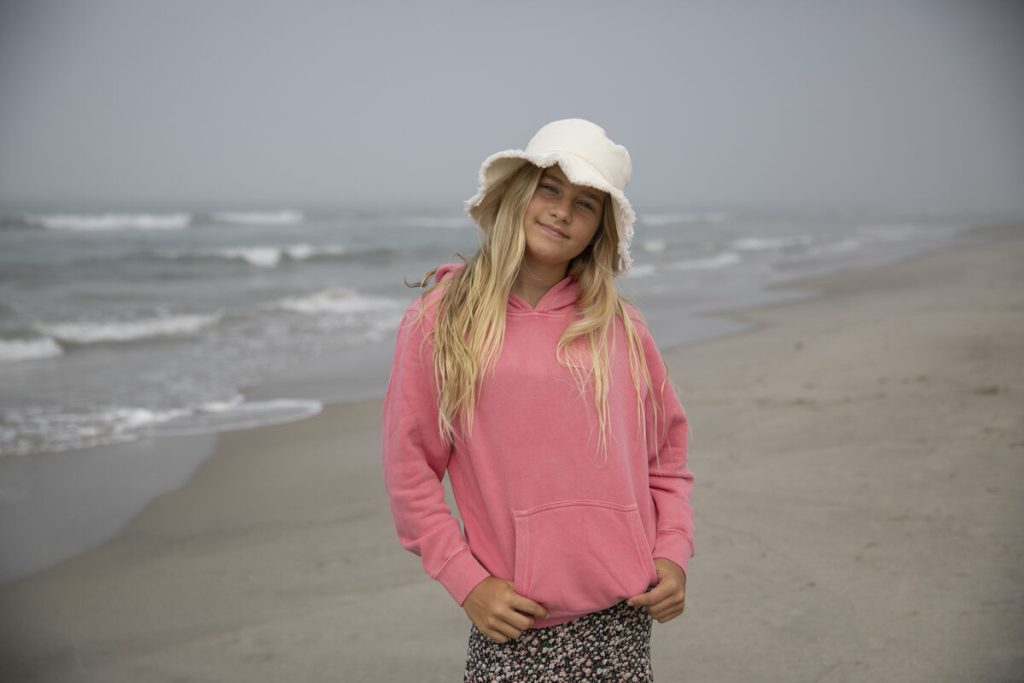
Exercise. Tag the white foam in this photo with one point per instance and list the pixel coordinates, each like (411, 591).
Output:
(236, 413)
(130, 330)
(135, 418)
(726, 258)
(764, 243)
(282, 217)
(263, 257)
(384, 325)
(442, 222)
(660, 219)
(223, 406)
(110, 221)
(14, 350)
(641, 270)
(34, 430)
(260, 255)
(334, 300)
(653, 246)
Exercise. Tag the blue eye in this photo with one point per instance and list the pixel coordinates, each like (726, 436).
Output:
(549, 188)
(586, 205)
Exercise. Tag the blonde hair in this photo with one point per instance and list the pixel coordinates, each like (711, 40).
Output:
(470, 323)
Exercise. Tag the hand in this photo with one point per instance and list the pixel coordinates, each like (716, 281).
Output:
(497, 610)
(667, 599)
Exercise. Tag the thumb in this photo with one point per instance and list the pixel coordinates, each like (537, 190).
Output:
(640, 600)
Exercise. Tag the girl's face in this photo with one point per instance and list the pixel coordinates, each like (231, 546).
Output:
(561, 219)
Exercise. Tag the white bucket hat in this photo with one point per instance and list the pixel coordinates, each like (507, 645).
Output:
(587, 157)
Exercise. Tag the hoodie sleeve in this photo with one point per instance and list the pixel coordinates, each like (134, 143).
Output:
(414, 463)
(671, 482)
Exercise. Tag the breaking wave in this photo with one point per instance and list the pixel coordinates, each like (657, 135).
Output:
(83, 222)
(95, 332)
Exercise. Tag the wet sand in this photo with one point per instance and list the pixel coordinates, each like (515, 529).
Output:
(858, 462)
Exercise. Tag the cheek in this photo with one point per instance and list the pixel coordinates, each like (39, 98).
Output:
(595, 227)
(532, 208)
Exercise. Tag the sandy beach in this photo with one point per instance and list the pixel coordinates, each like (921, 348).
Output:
(858, 461)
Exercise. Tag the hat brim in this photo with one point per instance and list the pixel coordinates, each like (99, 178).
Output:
(578, 170)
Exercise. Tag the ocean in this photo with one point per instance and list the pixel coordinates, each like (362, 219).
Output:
(119, 330)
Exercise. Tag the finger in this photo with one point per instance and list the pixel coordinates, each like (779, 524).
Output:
(496, 636)
(664, 610)
(506, 629)
(668, 615)
(517, 619)
(665, 618)
(653, 596)
(525, 604)
(672, 604)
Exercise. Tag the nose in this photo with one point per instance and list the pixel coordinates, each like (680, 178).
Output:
(561, 209)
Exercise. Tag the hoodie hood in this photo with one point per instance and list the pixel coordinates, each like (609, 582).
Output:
(559, 299)
(447, 270)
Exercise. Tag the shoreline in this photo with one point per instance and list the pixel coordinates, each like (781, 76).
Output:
(101, 488)
(282, 555)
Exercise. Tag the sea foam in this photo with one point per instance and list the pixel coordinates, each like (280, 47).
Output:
(334, 300)
(38, 430)
(765, 243)
(259, 255)
(110, 221)
(662, 219)
(14, 350)
(282, 217)
(727, 258)
(93, 332)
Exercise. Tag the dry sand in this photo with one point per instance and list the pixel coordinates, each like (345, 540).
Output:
(859, 498)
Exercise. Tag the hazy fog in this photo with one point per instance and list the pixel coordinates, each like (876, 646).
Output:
(870, 104)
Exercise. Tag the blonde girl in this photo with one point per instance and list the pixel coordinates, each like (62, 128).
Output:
(526, 376)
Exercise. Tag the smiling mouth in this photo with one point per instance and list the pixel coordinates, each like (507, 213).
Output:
(553, 229)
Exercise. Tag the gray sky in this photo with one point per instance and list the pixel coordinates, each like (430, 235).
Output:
(896, 106)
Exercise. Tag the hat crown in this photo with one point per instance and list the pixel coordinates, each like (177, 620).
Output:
(588, 141)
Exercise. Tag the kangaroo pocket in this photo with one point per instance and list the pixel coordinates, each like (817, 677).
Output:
(580, 556)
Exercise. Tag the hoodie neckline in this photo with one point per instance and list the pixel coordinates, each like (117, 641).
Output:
(559, 296)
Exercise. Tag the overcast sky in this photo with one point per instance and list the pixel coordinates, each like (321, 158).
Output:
(874, 104)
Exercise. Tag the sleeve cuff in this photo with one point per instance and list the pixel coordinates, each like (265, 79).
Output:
(461, 574)
(674, 546)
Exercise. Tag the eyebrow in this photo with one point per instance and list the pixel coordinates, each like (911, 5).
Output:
(586, 190)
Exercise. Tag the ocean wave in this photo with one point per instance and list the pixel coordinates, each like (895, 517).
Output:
(82, 222)
(682, 218)
(262, 256)
(641, 270)
(839, 247)
(129, 330)
(764, 243)
(24, 431)
(236, 413)
(653, 246)
(442, 222)
(334, 300)
(15, 350)
(894, 232)
(282, 217)
(726, 258)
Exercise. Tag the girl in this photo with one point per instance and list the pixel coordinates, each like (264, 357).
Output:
(537, 386)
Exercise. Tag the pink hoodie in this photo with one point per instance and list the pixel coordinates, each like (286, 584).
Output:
(538, 503)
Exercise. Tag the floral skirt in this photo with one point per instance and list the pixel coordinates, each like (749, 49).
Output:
(611, 645)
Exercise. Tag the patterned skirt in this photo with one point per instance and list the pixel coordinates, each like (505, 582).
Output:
(611, 645)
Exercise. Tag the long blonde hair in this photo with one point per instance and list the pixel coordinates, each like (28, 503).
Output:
(470, 323)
